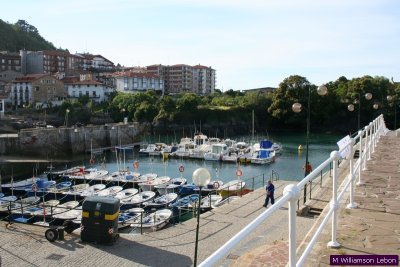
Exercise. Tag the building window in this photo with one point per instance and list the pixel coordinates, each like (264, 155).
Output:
(94, 93)
(87, 93)
(125, 83)
(80, 93)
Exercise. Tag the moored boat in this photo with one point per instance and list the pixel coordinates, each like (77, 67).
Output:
(233, 187)
(154, 221)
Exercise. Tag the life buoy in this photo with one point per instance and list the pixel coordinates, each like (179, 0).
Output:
(216, 185)
(34, 187)
(181, 168)
(91, 161)
(238, 172)
(135, 164)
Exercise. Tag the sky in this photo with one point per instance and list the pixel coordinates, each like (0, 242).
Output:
(250, 44)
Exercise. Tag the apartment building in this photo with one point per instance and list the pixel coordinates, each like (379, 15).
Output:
(10, 61)
(203, 80)
(39, 90)
(138, 82)
(184, 78)
(78, 87)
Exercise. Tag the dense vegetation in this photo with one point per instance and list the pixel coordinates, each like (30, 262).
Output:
(21, 35)
(232, 110)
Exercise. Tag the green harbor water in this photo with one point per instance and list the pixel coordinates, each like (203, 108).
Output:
(288, 165)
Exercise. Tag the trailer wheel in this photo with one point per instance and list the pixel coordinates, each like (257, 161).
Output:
(51, 234)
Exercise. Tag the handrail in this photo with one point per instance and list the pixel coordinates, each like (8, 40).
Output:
(372, 133)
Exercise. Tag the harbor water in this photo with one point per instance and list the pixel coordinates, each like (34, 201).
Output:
(287, 166)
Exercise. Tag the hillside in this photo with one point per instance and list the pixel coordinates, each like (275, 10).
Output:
(22, 35)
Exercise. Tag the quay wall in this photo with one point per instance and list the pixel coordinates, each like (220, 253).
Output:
(67, 140)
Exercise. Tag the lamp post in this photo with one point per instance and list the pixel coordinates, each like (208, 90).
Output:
(392, 99)
(368, 96)
(297, 107)
(66, 117)
(201, 177)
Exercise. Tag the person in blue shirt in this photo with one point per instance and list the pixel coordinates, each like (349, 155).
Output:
(270, 188)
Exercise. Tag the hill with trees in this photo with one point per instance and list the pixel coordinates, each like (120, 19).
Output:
(22, 35)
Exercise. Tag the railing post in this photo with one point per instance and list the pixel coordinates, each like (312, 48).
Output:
(294, 192)
(374, 137)
(352, 205)
(365, 149)
(334, 203)
(370, 140)
(360, 157)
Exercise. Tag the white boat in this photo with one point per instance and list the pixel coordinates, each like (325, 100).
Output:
(125, 218)
(126, 193)
(121, 176)
(149, 185)
(110, 191)
(137, 199)
(217, 152)
(263, 156)
(263, 153)
(67, 211)
(161, 201)
(277, 148)
(21, 184)
(147, 150)
(89, 175)
(210, 201)
(145, 177)
(185, 146)
(173, 187)
(155, 220)
(232, 187)
(85, 190)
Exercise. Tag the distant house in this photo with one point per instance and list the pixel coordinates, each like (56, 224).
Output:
(10, 61)
(39, 90)
(94, 90)
(131, 82)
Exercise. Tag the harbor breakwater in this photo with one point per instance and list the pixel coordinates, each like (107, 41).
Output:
(55, 142)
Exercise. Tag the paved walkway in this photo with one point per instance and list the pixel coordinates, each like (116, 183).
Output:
(372, 228)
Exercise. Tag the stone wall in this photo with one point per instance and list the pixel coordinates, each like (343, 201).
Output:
(65, 141)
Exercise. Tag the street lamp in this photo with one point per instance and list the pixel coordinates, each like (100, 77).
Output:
(201, 177)
(392, 99)
(66, 117)
(368, 96)
(297, 107)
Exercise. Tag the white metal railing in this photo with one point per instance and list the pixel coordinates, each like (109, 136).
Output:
(369, 137)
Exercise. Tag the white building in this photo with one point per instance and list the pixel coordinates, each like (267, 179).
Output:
(138, 82)
(93, 90)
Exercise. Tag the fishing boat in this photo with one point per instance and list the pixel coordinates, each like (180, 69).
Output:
(211, 187)
(210, 201)
(154, 221)
(137, 200)
(185, 202)
(125, 218)
(109, 191)
(173, 187)
(233, 187)
(59, 187)
(149, 185)
(27, 183)
(216, 152)
(126, 193)
(263, 153)
(161, 201)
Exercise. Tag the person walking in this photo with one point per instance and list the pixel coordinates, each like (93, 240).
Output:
(307, 168)
(270, 188)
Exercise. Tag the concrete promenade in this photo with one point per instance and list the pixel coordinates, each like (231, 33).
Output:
(372, 228)
(25, 245)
